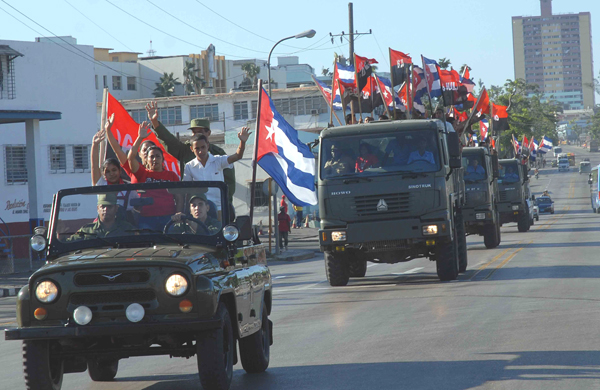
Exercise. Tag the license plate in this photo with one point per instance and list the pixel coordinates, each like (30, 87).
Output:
(480, 216)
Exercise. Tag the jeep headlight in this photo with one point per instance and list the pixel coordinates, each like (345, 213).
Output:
(231, 233)
(430, 230)
(338, 236)
(37, 243)
(176, 285)
(46, 291)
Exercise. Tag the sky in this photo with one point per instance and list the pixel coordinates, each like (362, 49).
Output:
(473, 32)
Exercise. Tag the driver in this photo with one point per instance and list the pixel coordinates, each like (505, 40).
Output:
(421, 154)
(107, 224)
(475, 168)
(339, 163)
(510, 174)
(199, 208)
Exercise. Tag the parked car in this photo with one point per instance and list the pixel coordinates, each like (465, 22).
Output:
(536, 212)
(545, 204)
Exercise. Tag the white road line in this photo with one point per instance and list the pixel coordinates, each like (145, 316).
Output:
(372, 265)
(410, 271)
(279, 277)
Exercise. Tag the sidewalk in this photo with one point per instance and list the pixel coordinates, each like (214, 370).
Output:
(303, 245)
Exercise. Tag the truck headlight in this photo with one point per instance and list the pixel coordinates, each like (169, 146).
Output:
(176, 285)
(338, 236)
(515, 208)
(46, 291)
(430, 230)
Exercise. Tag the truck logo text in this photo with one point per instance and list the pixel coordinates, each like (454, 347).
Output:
(415, 186)
(340, 193)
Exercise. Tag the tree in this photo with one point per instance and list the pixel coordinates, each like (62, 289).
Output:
(326, 72)
(252, 71)
(166, 86)
(444, 63)
(462, 68)
(193, 83)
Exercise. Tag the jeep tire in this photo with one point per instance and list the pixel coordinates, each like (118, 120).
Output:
(41, 371)
(215, 352)
(255, 349)
(103, 370)
(337, 268)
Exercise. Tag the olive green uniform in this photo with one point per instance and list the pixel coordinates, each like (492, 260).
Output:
(119, 228)
(182, 152)
(212, 225)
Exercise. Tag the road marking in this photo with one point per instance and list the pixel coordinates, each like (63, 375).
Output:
(7, 323)
(279, 277)
(410, 271)
(372, 265)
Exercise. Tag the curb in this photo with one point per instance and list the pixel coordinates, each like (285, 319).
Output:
(9, 291)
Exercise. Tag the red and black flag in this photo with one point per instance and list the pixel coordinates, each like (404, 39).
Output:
(450, 81)
(363, 70)
(399, 66)
(500, 117)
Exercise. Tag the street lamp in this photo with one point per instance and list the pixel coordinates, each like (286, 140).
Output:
(306, 34)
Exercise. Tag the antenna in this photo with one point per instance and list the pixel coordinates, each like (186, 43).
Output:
(151, 52)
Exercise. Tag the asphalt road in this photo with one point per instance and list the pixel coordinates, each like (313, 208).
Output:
(524, 316)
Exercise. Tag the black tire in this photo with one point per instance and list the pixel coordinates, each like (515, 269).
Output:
(41, 372)
(357, 268)
(537, 218)
(461, 241)
(490, 236)
(447, 261)
(498, 229)
(523, 223)
(255, 349)
(215, 351)
(103, 370)
(337, 269)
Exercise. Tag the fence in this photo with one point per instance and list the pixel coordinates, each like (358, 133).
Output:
(17, 255)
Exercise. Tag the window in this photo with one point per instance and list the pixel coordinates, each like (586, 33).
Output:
(96, 81)
(254, 105)
(131, 84)
(15, 163)
(115, 59)
(260, 199)
(139, 115)
(105, 81)
(210, 111)
(116, 83)
(170, 115)
(240, 110)
(58, 159)
(81, 158)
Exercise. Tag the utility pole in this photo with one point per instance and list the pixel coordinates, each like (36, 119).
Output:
(351, 26)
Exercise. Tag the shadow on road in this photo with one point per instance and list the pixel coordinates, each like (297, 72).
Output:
(551, 367)
(549, 272)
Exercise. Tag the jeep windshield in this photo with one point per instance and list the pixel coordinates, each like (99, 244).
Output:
(474, 168)
(139, 214)
(412, 152)
(508, 173)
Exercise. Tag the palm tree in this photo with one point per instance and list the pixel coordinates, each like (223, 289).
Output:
(252, 71)
(166, 86)
(462, 68)
(193, 83)
(444, 63)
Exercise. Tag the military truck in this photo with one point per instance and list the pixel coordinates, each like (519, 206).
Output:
(390, 192)
(481, 213)
(513, 183)
(593, 145)
(113, 288)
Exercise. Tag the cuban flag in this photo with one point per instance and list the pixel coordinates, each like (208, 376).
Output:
(532, 149)
(387, 94)
(475, 143)
(285, 158)
(345, 74)
(465, 80)
(545, 145)
(484, 125)
(419, 89)
(326, 92)
(433, 77)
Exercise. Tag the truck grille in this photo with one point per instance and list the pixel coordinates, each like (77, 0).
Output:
(107, 297)
(503, 196)
(112, 277)
(384, 246)
(395, 203)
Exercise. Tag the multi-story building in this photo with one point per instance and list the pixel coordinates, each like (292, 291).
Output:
(555, 52)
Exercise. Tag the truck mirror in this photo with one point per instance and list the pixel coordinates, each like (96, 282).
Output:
(495, 171)
(244, 226)
(455, 162)
(454, 146)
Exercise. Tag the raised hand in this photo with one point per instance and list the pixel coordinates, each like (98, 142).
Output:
(144, 130)
(109, 122)
(152, 109)
(99, 137)
(244, 134)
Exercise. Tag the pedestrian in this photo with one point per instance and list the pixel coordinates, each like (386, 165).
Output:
(207, 167)
(284, 228)
(284, 203)
(182, 151)
(298, 210)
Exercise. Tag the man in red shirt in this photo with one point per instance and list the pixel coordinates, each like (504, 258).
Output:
(284, 227)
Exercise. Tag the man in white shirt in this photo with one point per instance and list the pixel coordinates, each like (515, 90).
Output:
(207, 167)
(421, 154)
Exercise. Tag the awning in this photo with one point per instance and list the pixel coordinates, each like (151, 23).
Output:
(5, 50)
(20, 116)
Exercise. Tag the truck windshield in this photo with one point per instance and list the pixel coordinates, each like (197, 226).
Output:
(474, 168)
(508, 173)
(376, 154)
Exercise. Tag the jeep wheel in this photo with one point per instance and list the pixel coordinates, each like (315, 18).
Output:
(214, 350)
(337, 269)
(103, 370)
(255, 349)
(357, 267)
(523, 223)
(490, 236)
(461, 242)
(41, 371)
(447, 261)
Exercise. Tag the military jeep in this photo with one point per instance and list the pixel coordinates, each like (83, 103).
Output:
(140, 270)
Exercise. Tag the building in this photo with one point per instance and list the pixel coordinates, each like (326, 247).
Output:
(555, 52)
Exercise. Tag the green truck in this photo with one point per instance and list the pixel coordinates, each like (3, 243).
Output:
(390, 192)
(481, 212)
(514, 203)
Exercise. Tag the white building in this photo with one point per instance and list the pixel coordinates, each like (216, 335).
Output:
(47, 120)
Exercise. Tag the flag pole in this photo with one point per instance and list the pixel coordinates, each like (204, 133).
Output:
(410, 91)
(427, 84)
(330, 104)
(255, 154)
(474, 108)
(357, 87)
(392, 81)
(491, 122)
(103, 114)
(383, 98)
(408, 113)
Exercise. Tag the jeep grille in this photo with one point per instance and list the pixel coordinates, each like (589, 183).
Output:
(396, 204)
(108, 278)
(106, 297)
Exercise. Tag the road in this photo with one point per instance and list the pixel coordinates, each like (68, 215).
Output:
(524, 316)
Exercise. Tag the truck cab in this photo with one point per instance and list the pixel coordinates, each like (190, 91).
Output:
(513, 183)
(481, 186)
(390, 192)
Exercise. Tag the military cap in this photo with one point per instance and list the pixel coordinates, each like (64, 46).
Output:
(198, 196)
(200, 122)
(109, 199)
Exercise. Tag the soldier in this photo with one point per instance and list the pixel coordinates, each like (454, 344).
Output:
(182, 151)
(199, 209)
(107, 224)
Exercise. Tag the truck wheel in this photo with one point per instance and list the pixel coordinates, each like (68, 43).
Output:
(103, 370)
(337, 269)
(523, 224)
(498, 229)
(41, 371)
(490, 236)
(357, 267)
(255, 349)
(461, 242)
(214, 350)
(447, 261)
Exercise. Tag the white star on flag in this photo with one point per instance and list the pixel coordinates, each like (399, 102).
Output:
(271, 130)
